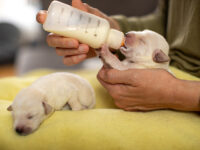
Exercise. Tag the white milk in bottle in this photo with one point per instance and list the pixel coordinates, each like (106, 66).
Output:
(67, 21)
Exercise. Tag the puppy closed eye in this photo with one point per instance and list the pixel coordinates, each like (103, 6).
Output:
(142, 41)
(30, 117)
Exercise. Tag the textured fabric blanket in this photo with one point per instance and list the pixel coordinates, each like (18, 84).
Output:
(102, 128)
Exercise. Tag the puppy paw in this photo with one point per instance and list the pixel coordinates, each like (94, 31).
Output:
(104, 51)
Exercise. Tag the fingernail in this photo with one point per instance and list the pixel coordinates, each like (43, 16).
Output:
(82, 48)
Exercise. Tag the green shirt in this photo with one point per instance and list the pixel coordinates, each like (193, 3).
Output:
(179, 22)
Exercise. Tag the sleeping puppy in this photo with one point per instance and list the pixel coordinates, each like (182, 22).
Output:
(53, 92)
(145, 49)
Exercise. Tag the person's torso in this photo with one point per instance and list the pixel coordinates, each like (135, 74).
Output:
(183, 34)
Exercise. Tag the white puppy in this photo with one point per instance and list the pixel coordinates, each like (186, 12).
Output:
(145, 49)
(56, 91)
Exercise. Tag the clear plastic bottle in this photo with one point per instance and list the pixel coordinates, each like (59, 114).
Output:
(65, 20)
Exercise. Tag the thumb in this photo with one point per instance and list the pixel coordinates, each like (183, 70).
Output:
(114, 76)
(41, 16)
(79, 5)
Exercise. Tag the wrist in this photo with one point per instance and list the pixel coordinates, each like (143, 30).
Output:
(185, 95)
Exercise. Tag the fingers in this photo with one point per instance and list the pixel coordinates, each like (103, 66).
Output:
(114, 76)
(85, 7)
(70, 48)
(41, 16)
(72, 60)
(82, 49)
(119, 90)
(109, 87)
(79, 5)
(61, 42)
(95, 11)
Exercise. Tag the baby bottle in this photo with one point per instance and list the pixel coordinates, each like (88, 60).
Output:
(65, 20)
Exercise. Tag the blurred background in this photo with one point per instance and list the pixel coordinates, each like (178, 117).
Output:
(23, 45)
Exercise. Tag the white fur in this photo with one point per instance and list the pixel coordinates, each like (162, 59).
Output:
(138, 50)
(56, 90)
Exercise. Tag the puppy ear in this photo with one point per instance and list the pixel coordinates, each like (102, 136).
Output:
(159, 56)
(47, 108)
(9, 108)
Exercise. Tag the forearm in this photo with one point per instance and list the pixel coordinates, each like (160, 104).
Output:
(186, 95)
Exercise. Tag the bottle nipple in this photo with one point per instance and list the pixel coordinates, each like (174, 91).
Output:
(115, 39)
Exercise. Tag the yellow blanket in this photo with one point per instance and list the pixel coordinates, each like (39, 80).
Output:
(103, 128)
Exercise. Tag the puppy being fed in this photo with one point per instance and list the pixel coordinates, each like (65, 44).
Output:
(53, 92)
(145, 49)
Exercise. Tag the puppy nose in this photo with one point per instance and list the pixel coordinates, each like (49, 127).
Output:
(130, 39)
(126, 34)
(129, 34)
(19, 130)
(23, 130)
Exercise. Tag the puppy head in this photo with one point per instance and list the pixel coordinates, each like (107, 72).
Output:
(145, 46)
(29, 109)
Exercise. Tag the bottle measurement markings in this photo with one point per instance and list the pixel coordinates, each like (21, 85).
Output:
(89, 20)
(60, 16)
(71, 14)
(80, 17)
(62, 11)
(98, 25)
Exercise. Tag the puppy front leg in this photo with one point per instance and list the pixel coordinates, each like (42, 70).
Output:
(111, 60)
(74, 102)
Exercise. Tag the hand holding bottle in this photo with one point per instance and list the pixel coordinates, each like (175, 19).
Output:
(72, 51)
